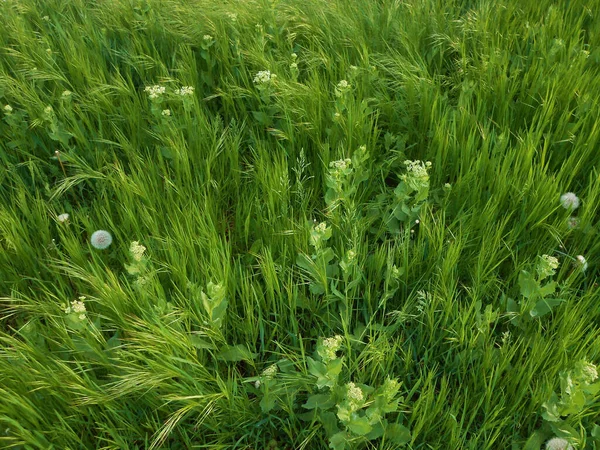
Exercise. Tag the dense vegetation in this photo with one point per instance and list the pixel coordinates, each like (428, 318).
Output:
(299, 224)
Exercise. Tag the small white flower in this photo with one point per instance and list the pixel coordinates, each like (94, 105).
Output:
(166, 112)
(293, 66)
(558, 444)
(232, 16)
(582, 262)
(66, 93)
(46, 18)
(63, 217)
(270, 372)
(207, 37)
(48, 110)
(569, 201)
(8, 108)
(294, 56)
(101, 239)
(48, 50)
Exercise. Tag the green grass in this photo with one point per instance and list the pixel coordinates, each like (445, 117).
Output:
(501, 97)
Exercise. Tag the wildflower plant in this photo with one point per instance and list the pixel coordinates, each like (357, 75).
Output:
(319, 266)
(536, 293)
(563, 413)
(402, 208)
(76, 314)
(351, 413)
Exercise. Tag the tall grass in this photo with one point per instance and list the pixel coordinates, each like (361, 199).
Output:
(224, 191)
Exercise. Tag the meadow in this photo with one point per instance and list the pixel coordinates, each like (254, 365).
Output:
(299, 224)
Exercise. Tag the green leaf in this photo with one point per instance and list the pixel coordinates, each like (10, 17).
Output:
(236, 353)
(548, 289)
(323, 401)
(536, 440)
(595, 432)
(267, 403)
(397, 433)
(200, 343)
(316, 368)
(330, 422)
(338, 441)
(529, 287)
(359, 425)
(545, 306)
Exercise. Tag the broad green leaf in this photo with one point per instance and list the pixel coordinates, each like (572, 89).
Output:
(536, 440)
(200, 343)
(548, 289)
(527, 284)
(323, 401)
(397, 433)
(545, 306)
(359, 425)
(330, 422)
(596, 431)
(338, 441)
(236, 353)
(267, 403)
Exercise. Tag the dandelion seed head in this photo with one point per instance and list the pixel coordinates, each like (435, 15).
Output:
(101, 239)
(582, 262)
(558, 444)
(569, 201)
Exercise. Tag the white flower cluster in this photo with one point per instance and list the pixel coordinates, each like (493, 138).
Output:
(418, 169)
(569, 201)
(589, 372)
(329, 347)
(66, 94)
(268, 374)
(166, 112)
(264, 77)
(321, 228)
(341, 164)
(62, 218)
(355, 395)
(8, 108)
(77, 307)
(155, 91)
(232, 16)
(341, 88)
(137, 250)
(547, 266)
(185, 90)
